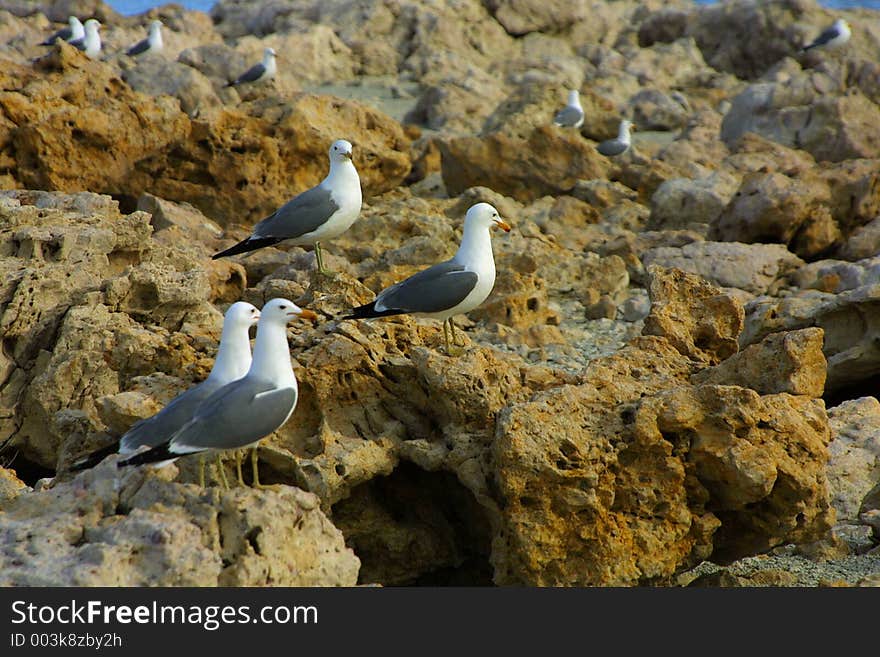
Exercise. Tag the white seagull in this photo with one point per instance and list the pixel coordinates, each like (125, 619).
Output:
(449, 288)
(572, 115)
(90, 44)
(316, 215)
(261, 72)
(243, 412)
(832, 38)
(232, 363)
(611, 147)
(72, 32)
(153, 42)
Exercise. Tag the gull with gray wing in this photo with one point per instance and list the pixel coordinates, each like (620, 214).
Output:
(90, 43)
(232, 363)
(261, 72)
(72, 32)
(572, 115)
(153, 42)
(315, 216)
(243, 412)
(618, 146)
(449, 288)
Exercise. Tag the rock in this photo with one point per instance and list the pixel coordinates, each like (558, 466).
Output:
(652, 109)
(155, 76)
(683, 202)
(790, 363)
(863, 242)
(792, 113)
(10, 486)
(775, 208)
(520, 17)
(145, 531)
(750, 267)
(837, 276)
(846, 319)
(694, 316)
(507, 165)
(854, 467)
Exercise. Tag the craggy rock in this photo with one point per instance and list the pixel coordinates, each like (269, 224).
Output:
(790, 362)
(509, 165)
(520, 17)
(682, 202)
(849, 320)
(696, 318)
(749, 267)
(854, 467)
(139, 529)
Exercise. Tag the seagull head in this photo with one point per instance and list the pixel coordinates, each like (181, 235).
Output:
(282, 311)
(841, 25)
(269, 54)
(92, 25)
(485, 216)
(241, 313)
(574, 97)
(73, 21)
(155, 26)
(340, 151)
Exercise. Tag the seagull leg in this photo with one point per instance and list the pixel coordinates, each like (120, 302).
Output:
(254, 466)
(202, 471)
(319, 256)
(446, 335)
(451, 349)
(238, 468)
(222, 473)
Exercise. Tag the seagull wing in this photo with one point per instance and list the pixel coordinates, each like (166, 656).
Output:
(301, 215)
(253, 74)
(138, 48)
(568, 116)
(438, 288)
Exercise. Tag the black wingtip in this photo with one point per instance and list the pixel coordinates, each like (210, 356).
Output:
(93, 459)
(154, 455)
(368, 311)
(250, 244)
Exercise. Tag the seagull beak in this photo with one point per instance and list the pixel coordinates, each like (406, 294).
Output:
(348, 155)
(308, 314)
(503, 225)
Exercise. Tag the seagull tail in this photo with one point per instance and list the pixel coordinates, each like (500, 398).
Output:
(250, 244)
(93, 459)
(231, 83)
(154, 455)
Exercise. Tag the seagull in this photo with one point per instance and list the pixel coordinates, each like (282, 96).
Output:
(261, 72)
(91, 42)
(316, 215)
(72, 32)
(153, 43)
(243, 412)
(834, 37)
(232, 363)
(620, 144)
(572, 115)
(449, 288)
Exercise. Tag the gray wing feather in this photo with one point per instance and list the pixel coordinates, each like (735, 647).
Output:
(301, 215)
(611, 147)
(435, 289)
(252, 74)
(825, 37)
(139, 47)
(236, 415)
(568, 116)
(79, 44)
(61, 35)
(159, 428)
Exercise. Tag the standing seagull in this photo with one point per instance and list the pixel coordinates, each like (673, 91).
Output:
(261, 72)
(91, 42)
(572, 115)
(611, 147)
(243, 412)
(72, 32)
(832, 38)
(232, 363)
(153, 43)
(316, 215)
(449, 288)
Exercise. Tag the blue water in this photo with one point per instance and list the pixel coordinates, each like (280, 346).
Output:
(129, 7)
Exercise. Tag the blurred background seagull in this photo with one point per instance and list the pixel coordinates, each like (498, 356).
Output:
(572, 115)
(834, 37)
(261, 72)
(449, 288)
(90, 44)
(72, 32)
(153, 42)
(316, 215)
(619, 145)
